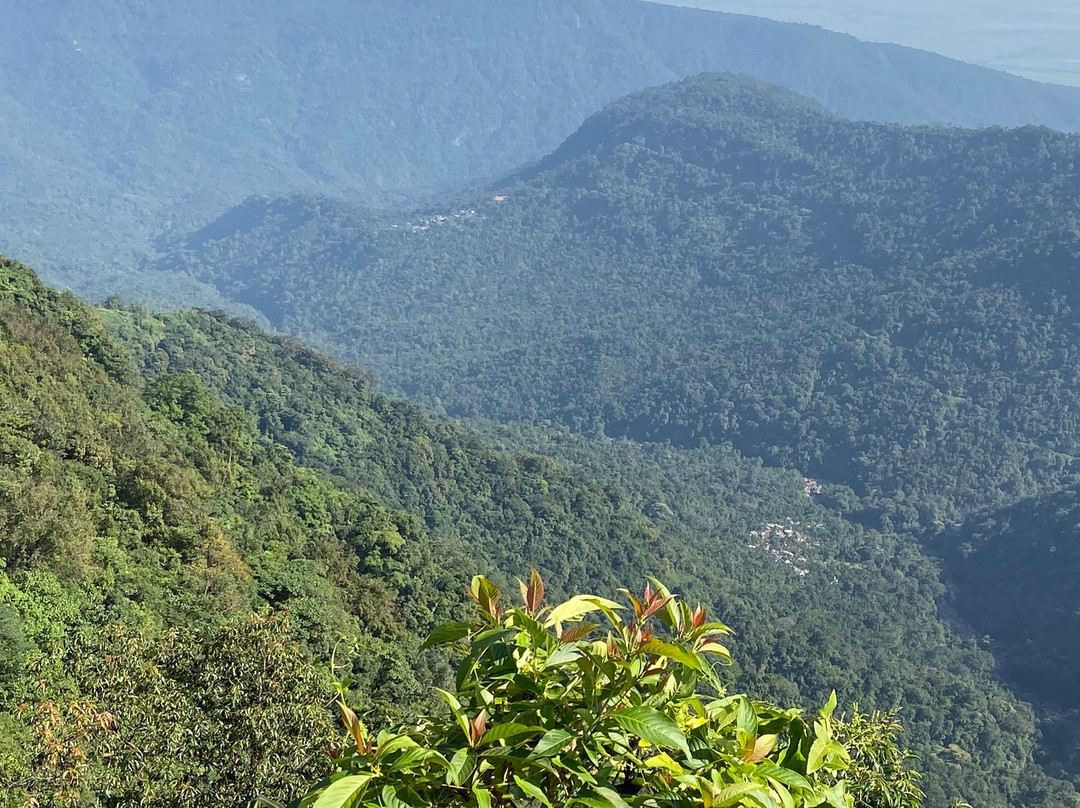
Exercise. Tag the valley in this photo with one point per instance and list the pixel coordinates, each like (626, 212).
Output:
(349, 317)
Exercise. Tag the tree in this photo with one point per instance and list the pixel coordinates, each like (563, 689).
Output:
(177, 719)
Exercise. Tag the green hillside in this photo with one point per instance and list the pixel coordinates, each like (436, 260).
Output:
(126, 119)
(143, 522)
(719, 260)
(1033, 615)
(150, 507)
(137, 518)
(140, 527)
(816, 601)
(889, 310)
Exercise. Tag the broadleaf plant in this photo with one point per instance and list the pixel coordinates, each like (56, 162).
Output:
(553, 710)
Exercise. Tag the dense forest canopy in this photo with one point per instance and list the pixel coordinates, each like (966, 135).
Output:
(126, 119)
(883, 307)
(821, 374)
(1032, 613)
(889, 310)
(224, 471)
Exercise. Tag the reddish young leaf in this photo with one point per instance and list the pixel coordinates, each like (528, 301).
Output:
(638, 608)
(535, 592)
(478, 727)
(578, 632)
(657, 604)
(524, 595)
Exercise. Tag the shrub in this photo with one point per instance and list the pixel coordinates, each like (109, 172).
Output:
(596, 704)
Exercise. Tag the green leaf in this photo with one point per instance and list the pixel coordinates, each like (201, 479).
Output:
(509, 730)
(577, 607)
(612, 796)
(830, 705)
(781, 793)
(487, 596)
(390, 798)
(747, 716)
(664, 761)
(816, 756)
(729, 795)
(716, 649)
(534, 628)
(461, 766)
(563, 655)
(836, 796)
(782, 775)
(342, 792)
(483, 796)
(600, 797)
(447, 633)
(532, 790)
(836, 756)
(455, 707)
(551, 743)
(414, 756)
(395, 744)
(671, 651)
(653, 726)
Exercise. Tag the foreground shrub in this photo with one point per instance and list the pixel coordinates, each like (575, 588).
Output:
(602, 705)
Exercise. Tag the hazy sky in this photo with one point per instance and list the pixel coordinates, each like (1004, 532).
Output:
(1036, 38)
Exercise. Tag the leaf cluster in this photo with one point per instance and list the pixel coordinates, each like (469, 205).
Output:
(590, 702)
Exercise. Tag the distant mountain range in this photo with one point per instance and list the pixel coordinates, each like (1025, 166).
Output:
(887, 307)
(1036, 39)
(125, 118)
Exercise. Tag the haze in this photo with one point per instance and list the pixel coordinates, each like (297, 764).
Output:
(1039, 40)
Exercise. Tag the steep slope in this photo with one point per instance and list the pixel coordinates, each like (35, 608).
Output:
(816, 601)
(1012, 575)
(163, 507)
(126, 118)
(135, 521)
(1015, 574)
(715, 260)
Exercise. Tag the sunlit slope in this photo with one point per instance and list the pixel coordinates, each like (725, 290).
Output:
(720, 260)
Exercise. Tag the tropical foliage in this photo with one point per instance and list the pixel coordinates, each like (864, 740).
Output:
(891, 311)
(863, 618)
(226, 472)
(126, 719)
(136, 521)
(553, 708)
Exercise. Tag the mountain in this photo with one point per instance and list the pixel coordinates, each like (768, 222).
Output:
(126, 119)
(140, 527)
(1012, 577)
(152, 500)
(1032, 615)
(889, 310)
(883, 307)
(802, 588)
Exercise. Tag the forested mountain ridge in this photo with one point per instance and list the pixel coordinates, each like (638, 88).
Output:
(141, 516)
(128, 118)
(802, 588)
(183, 506)
(889, 308)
